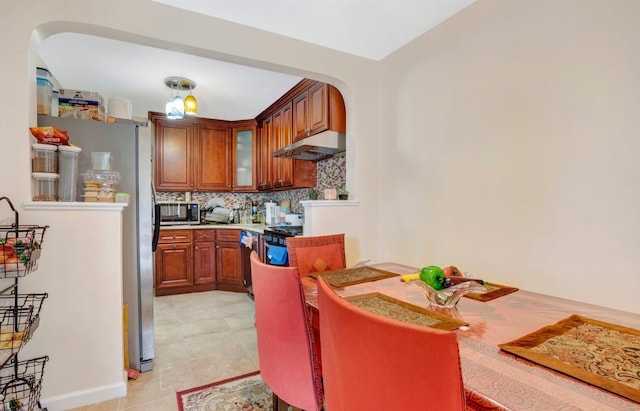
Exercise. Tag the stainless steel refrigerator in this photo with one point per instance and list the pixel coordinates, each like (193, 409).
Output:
(130, 145)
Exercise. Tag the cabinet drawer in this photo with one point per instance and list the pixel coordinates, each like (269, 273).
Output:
(174, 236)
(228, 235)
(204, 235)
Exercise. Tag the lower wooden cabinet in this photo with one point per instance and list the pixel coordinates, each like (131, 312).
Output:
(173, 265)
(228, 270)
(204, 257)
(195, 260)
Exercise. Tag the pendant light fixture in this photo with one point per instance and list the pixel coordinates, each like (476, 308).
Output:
(176, 108)
(190, 102)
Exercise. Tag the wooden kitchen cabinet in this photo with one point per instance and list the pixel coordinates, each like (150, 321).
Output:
(282, 168)
(204, 257)
(174, 147)
(185, 261)
(265, 148)
(228, 259)
(192, 260)
(173, 262)
(318, 107)
(244, 156)
(311, 111)
(214, 158)
(308, 108)
(196, 154)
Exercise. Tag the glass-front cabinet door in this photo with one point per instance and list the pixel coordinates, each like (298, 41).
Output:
(244, 169)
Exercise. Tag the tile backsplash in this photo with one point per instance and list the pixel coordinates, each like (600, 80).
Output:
(331, 174)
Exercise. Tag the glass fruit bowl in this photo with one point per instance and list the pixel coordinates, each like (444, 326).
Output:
(448, 297)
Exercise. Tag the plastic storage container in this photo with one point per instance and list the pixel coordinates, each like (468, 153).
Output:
(45, 158)
(100, 185)
(101, 160)
(44, 82)
(68, 159)
(45, 187)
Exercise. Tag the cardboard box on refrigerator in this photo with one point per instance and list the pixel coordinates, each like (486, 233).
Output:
(86, 105)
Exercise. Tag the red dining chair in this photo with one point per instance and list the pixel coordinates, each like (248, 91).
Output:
(315, 254)
(370, 362)
(286, 349)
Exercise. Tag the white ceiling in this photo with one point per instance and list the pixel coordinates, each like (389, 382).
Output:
(368, 28)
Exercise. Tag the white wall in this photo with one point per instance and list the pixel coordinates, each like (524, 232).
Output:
(81, 320)
(511, 134)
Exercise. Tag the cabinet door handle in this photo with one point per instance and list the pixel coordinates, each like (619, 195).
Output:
(174, 236)
(174, 246)
(196, 247)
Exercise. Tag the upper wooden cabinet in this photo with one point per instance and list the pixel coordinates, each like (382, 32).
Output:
(195, 154)
(316, 108)
(311, 111)
(174, 155)
(244, 156)
(265, 148)
(282, 168)
(214, 158)
(308, 108)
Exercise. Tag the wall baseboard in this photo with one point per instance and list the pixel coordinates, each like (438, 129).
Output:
(85, 397)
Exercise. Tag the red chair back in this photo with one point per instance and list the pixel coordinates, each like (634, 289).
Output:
(315, 254)
(288, 364)
(370, 362)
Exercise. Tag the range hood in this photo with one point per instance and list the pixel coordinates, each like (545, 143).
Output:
(317, 147)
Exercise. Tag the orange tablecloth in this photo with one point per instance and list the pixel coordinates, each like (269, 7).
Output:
(492, 376)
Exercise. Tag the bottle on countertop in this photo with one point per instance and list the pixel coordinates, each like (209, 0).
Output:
(254, 211)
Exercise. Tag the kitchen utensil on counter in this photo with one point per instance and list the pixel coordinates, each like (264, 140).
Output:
(271, 212)
(295, 220)
(216, 211)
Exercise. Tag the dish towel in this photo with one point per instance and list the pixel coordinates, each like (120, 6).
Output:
(246, 239)
(277, 255)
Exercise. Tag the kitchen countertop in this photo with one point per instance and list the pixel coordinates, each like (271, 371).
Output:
(256, 228)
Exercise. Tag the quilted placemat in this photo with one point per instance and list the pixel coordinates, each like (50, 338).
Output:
(356, 275)
(493, 291)
(390, 307)
(596, 352)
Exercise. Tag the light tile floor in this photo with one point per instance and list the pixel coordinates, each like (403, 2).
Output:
(200, 338)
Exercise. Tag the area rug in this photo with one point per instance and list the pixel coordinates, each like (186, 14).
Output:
(243, 393)
(599, 353)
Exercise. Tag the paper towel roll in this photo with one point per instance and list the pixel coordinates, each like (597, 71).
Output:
(119, 107)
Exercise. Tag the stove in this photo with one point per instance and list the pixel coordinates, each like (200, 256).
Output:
(276, 236)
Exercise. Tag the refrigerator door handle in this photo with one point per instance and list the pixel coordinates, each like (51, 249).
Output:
(156, 227)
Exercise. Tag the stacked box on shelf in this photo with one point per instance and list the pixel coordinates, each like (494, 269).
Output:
(86, 105)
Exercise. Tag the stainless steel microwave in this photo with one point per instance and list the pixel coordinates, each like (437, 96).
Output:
(179, 212)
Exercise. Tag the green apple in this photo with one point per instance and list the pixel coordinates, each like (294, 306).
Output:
(433, 276)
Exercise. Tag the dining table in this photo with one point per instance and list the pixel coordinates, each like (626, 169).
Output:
(495, 379)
